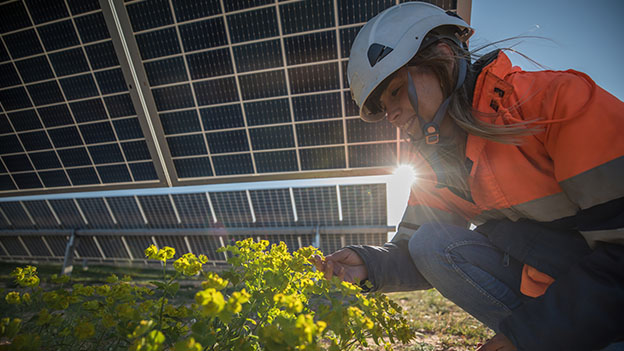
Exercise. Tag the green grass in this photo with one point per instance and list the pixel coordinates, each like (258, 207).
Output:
(440, 323)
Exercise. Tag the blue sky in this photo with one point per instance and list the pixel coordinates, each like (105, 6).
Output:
(587, 35)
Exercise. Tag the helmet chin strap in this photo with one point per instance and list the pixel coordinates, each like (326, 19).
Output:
(431, 130)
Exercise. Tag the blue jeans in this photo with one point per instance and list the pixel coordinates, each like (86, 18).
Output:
(465, 267)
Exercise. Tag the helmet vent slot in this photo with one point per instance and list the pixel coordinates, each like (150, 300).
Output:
(376, 52)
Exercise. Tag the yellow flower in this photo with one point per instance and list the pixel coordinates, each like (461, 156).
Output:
(188, 345)
(84, 330)
(151, 252)
(13, 298)
(210, 301)
(215, 282)
(169, 252)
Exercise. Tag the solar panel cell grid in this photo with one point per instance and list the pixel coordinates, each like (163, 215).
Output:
(216, 91)
(187, 145)
(193, 167)
(101, 55)
(173, 97)
(267, 112)
(230, 141)
(322, 158)
(250, 64)
(203, 35)
(166, 71)
(277, 161)
(24, 120)
(69, 62)
(58, 35)
(194, 210)
(44, 160)
(16, 213)
(46, 10)
(305, 79)
(23, 43)
(74, 157)
(97, 132)
(10, 144)
(27, 180)
(180, 122)
(318, 106)
(13, 246)
(5, 126)
(158, 43)
(83, 176)
(53, 179)
(79, 87)
(367, 155)
(119, 105)
(17, 163)
(41, 214)
(271, 137)
(307, 15)
(126, 212)
(222, 117)
(6, 183)
(106, 153)
(13, 16)
(86, 110)
(257, 56)
(111, 81)
(67, 213)
(9, 75)
(114, 174)
(190, 9)
(143, 171)
(136, 150)
(233, 164)
(45, 93)
(81, 6)
(159, 211)
(209, 64)
(35, 141)
(128, 128)
(96, 213)
(67, 136)
(14, 99)
(253, 25)
(262, 85)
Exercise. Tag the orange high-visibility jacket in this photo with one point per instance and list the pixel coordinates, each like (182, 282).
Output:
(575, 164)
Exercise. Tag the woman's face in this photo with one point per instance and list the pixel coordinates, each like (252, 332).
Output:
(399, 110)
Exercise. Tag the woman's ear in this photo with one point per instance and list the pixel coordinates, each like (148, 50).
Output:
(444, 49)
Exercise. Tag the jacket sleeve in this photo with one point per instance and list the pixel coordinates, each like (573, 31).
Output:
(390, 267)
(583, 126)
(583, 138)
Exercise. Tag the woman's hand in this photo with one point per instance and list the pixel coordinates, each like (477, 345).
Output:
(345, 264)
(498, 343)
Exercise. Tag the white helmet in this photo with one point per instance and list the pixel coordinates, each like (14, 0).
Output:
(389, 41)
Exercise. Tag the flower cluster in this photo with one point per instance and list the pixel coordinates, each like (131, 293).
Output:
(268, 299)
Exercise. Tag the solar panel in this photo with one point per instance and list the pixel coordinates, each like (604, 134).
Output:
(225, 89)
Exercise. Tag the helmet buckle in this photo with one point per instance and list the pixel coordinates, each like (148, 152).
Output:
(432, 133)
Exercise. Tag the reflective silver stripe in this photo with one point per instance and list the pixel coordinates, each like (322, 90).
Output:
(414, 216)
(417, 215)
(598, 185)
(547, 208)
(614, 236)
(488, 215)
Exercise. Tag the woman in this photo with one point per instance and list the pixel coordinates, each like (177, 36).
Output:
(533, 159)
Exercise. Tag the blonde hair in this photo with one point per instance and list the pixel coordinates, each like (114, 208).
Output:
(449, 155)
